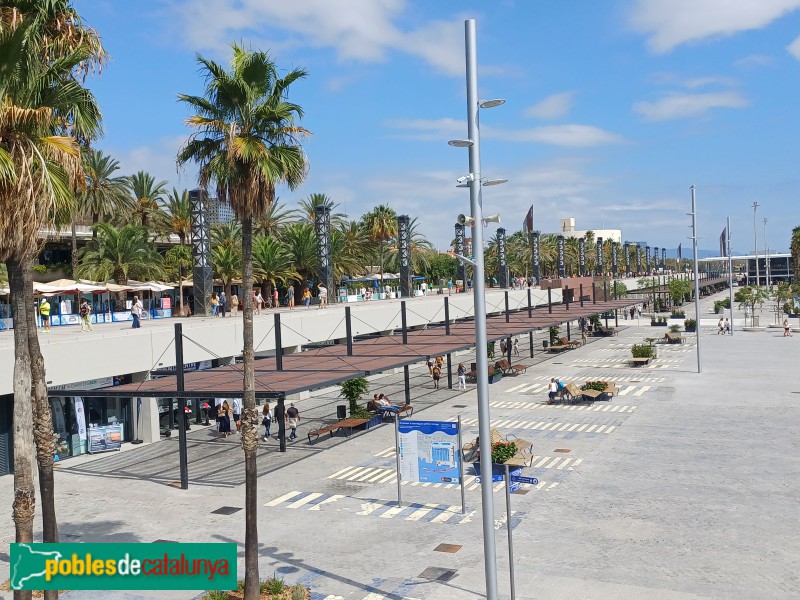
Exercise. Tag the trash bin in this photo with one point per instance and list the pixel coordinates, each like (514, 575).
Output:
(473, 366)
(341, 411)
(755, 320)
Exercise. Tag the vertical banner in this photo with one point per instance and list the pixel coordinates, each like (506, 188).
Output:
(502, 260)
(201, 253)
(614, 260)
(647, 258)
(581, 257)
(79, 413)
(723, 245)
(638, 258)
(429, 451)
(680, 257)
(535, 255)
(527, 225)
(600, 267)
(626, 250)
(322, 229)
(561, 265)
(461, 271)
(664, 257)
(404, 252)
(655, 258)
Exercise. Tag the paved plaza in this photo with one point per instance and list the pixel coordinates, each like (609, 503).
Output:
(682, 486)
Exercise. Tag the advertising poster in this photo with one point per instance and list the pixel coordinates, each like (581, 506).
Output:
(80, 419)
(429, 451)
(103, 439)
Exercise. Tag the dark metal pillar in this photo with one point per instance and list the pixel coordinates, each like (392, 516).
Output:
(594, 293)
(278, 343)
(403, 321)
(407, 384)
(580, 291)
(529, 304)
(530, 339)
(508, 316)
(605, 290)
(569, 337)
(566, 295)
(549, 300)
(201, 254)
(282, 422)
(404, 254)
(449, 371)
(446, 315)
(322, 229)
(348, 327)
(182, 451)
(508, 350)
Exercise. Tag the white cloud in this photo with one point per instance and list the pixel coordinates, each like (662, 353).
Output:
(754, 61)
(158, 160)
(552, 107)
(358, 30)
(570, 135)
(794, 48)
(681, 106)
(670, 24)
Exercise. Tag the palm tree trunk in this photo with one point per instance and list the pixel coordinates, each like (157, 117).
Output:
(43, 434)
(249, 422)
(24, 505)
(381, 259)
(74, 247)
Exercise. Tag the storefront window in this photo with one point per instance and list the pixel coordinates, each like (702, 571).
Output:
(74, 415)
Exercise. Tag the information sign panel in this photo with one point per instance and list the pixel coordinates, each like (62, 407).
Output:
(429, 451)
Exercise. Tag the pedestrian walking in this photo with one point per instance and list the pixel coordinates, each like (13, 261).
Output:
(462, 377)
(266, 421)
(275, 303)
(237, 413)
(450, 287)
(257, 302)
(787, 332)
(307, 297)
(44, 310)
(727, 326)
(503, 347)
(720, 327)
(214, 305)
(86, 315)
(515, 347)
(437, 375)
(294, 420)
(429, 364)
(290, 297)
(234, 305)
(136, 312)
(633, 312)
(223, 304)
(323, 296)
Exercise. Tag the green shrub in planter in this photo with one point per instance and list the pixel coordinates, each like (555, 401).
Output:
(674, 328)
(690, 324)
(642, 351)
(662, 319)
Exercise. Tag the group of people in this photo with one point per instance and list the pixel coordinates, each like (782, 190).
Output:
(504, 347)
(228, 413)
(85, 313)
(219, 305)
(435, 369)
(556, 388)
(723, 327)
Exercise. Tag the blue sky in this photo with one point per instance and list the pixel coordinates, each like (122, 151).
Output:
(613, 108)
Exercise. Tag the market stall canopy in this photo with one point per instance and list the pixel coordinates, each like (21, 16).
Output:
(150, 286)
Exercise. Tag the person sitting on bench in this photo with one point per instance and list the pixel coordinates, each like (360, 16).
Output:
(384, 405)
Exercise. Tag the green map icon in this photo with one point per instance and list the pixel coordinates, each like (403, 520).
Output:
(28, 567)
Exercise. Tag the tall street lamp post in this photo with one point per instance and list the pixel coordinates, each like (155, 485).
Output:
(755, 237)
(475, 181)
(696, 277)
(730, 275)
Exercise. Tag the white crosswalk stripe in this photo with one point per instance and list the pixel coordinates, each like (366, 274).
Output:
(545, 425)
(544, 406)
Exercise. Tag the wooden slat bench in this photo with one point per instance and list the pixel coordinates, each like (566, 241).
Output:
(639, 362)
(557, 348)
(673, 338)
(510, 369)
(346, 425)
(571, 343)
(611, 389)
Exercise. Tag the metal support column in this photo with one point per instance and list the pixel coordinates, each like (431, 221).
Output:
(508, 316)
(449, 371)
(549, 301)
(403, 321)
(407, 385)
(282, 422)
(182, 451)
(348, 330)
(446, 315)
(530, 308)
(278, 343)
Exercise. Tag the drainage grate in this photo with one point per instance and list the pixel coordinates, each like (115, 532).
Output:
(459, 406)
(226, 510)
(437, 574)
(451, 548)
(562, 450)
(520, 492)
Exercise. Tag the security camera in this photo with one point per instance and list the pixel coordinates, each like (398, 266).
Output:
(463, 179)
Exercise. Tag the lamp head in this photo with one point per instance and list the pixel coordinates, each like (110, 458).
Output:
(491, 103)
(461, 143)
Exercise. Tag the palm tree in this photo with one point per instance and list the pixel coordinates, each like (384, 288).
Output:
(794, 248)
(301, 242)
(227, 262)
(272, 262)
(350, 247)
(120, 253)
(177, 261)
(274, 220)
(175, 218)
(246, 143)
(381, 223)
(44, 52)
(147, 195)
(105, 196)
(226, 234)
(308, 209)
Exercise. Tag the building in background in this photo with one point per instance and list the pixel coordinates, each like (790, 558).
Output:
(568, 230)
(219, 212)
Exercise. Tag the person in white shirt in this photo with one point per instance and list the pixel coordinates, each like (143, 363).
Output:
(552, 391)
(323, 296)
(237, 412)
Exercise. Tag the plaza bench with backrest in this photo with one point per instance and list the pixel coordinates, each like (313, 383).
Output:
(605, 331)
(673, 338)
(639, 362)
(509, 369)
(611, 389)
(558, 347)
(346, 425)
(404, 408)
(571, 343)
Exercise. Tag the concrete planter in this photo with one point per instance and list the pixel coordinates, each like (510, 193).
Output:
(498, 471)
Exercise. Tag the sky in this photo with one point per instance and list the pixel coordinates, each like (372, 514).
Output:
(613, 109)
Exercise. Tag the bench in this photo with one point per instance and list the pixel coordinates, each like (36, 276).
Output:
(639, 362)
(346, 425)
(404, 408)
(510, 369)
(673, 338)
(558, 348)
(523, 457)
(577, 394)
(611, 389)
(571, 343)
(603, 331)
(472, 376)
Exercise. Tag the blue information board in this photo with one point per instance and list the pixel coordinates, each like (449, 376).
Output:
(429, 451)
